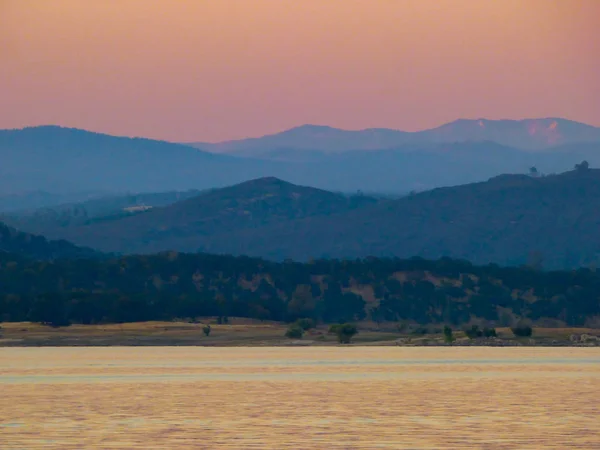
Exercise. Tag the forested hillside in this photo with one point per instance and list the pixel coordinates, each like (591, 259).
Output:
(172, 285)
(509, 220)
(38, 247)
(203, 222)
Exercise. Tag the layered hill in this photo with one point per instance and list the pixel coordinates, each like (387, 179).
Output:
(522, 134)
(515, 219)
(38, 247)
(192, 224)
(551, 221)
(101, 209)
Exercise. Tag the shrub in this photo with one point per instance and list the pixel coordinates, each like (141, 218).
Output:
(473, 332)
(448, 335)
(345, 332)
(306, 323)
(522, 331)
(206, 330)
(294, 332)
(489, 332)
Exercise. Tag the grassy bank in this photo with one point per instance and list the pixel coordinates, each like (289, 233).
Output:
(248, 333)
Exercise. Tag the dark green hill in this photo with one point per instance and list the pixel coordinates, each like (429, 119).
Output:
(38, 247)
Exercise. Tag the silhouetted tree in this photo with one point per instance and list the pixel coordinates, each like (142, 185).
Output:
(345, 332)
(305, 323)
(473, 332)
(448, 335)
(522, 331)
(294, 331)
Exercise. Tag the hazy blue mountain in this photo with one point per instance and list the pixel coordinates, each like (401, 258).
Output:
(70, 164)
(31, 200)
(522, 134)
(62, 160)
(427, 167)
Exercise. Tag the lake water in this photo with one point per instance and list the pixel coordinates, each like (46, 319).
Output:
(299, 398)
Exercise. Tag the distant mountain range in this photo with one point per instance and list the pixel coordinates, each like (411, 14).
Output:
(529, 134)
(46, 166)
(510, 219)
(64, 160)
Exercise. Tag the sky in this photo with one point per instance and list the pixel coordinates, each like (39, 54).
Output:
(213, 70)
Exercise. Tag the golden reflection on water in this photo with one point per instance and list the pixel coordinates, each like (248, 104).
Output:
(299, 398)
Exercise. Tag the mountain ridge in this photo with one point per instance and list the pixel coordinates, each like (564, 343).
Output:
(66, 165)
(529, 134)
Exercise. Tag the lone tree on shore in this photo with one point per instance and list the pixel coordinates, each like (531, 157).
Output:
(295, 331)
(448, 335)
(345, 332)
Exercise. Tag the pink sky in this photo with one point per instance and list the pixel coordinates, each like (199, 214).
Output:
(209, 70)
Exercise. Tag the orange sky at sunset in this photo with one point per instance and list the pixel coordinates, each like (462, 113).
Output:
(225, 69)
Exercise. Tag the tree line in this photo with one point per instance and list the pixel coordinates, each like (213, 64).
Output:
(172, 286)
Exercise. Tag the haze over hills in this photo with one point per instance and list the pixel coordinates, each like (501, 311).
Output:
(99, 209)
(531, 134)
(45, 166)
(505, 220)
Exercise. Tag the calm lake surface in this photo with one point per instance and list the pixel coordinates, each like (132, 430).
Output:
(299, 398)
